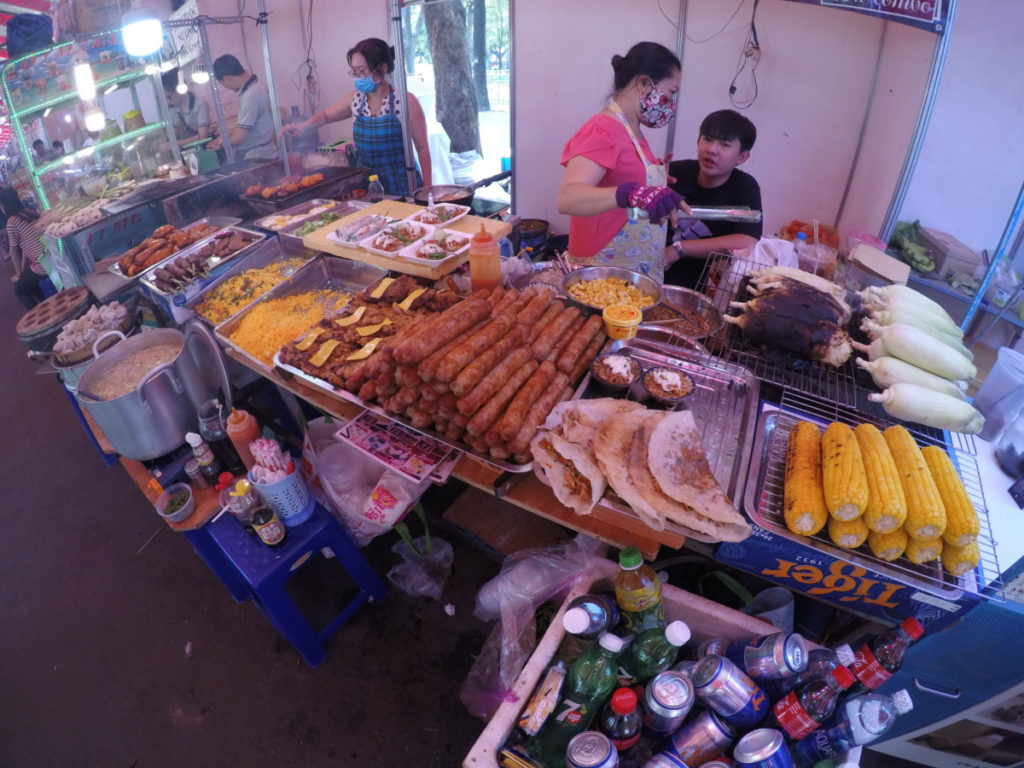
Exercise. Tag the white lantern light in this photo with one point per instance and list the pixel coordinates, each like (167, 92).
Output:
(142, 32)
(199, 74)
(181, 87)
(94, 119)
(83, 81)
(67, 118)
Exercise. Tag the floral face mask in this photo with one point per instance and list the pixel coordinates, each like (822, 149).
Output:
(656, 108)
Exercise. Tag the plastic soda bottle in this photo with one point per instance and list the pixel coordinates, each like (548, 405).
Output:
(800, 712)
(375, 190)
(484, 261)
(861, 720)
(820, 663)
(879, 658)
(621, 722)
(638, 593)
(590, 681)
(654, 651)
(589, 615)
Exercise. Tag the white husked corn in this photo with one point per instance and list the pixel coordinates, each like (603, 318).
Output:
(606, 291)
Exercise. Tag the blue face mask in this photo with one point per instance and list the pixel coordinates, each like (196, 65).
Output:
(365, 84)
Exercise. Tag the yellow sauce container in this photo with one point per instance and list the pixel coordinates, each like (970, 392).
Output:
(621, 321)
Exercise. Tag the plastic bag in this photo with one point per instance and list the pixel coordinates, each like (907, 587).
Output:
(527, 579)
(422, 575)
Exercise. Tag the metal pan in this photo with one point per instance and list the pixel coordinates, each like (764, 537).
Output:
(454, 193)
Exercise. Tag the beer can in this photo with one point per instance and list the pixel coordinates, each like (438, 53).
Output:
(668, 699)
(591, 749)
(686, 667)
(763, 748)
(720, 763)
(713, 646)
(725, 688)
(704, 738)
(665, 760)
(770, 657)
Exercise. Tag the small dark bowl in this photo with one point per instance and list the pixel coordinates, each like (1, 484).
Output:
(659, 396)
(598, 364)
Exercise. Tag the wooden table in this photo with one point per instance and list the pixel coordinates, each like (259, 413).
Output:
(207, 499)
(605, 524)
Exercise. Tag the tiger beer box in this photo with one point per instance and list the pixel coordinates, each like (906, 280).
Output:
(846, 586)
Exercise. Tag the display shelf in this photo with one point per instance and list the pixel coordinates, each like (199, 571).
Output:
(72, 95)
(81, 154)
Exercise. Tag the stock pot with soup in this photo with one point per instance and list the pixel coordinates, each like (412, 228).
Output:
(144, 392)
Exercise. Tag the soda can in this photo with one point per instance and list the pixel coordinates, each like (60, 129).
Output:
(763, 748)
(668, 699)
(665, 760)
(704, 738)
(686, 667)
(720, 763)
(771, 657)
(713, 646)
(725, 688)
(591, 749)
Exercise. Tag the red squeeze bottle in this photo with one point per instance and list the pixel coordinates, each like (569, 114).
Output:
(484, 261)
(879, 658)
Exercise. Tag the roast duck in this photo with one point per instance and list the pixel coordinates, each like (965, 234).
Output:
(165, 241)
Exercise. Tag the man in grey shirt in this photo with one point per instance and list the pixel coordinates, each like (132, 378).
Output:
(253, 136)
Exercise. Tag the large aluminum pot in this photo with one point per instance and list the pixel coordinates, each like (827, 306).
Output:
(152, 420)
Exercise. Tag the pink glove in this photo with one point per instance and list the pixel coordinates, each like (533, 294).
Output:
(659, 202)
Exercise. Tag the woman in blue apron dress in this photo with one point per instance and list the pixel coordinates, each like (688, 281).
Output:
(377, 129)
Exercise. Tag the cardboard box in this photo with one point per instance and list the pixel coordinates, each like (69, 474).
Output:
(867, 265)
(950, 255)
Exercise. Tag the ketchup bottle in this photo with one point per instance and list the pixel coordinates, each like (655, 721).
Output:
(878, 658)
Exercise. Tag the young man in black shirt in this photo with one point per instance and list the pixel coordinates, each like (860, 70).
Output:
(713, 179)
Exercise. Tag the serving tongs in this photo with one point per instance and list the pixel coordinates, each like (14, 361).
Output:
(723, 213)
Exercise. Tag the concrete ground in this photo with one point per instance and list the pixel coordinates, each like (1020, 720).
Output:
(120, 648)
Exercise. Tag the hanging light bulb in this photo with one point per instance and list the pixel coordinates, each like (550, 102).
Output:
(181, 87)
(67, 117)
(199, 74)
(152, 69)
(83, 81)
(142, 32)
(166, 66)
(94, 119)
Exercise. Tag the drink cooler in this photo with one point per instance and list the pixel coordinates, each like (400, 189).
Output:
(705, 618)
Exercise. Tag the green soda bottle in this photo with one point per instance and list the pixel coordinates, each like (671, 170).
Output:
(652, 652)
(588, 685)
(638, 593)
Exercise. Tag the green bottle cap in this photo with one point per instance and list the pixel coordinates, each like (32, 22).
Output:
(630, 558)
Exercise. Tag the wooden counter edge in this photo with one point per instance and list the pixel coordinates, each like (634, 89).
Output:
(207, 499)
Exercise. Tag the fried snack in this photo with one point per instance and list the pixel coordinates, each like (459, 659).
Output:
(607, 291)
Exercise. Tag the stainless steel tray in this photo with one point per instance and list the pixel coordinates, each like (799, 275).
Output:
(344, 209)
(262, 255)
(763, 502)
(296, 210)
(214, 262)
(217, 221)
(724, 407)
(322, 272)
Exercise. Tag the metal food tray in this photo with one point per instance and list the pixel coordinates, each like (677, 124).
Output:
(723, 404)
(295, 210)
(264, 254)
(321, 273)
(764, 497)
(343, 209)
(326, 388)
(217, 221)
(214, 262)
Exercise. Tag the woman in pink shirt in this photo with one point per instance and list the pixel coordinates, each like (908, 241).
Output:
(609, 168)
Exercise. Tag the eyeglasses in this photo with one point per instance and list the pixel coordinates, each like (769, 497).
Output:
(362, 72)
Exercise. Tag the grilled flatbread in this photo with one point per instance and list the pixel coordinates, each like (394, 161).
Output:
(572, 474)
(613, 446)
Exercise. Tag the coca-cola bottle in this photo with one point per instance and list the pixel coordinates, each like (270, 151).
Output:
(877, 659)
(620, 720)
(800, 712)
(820, 663)
(861, 720)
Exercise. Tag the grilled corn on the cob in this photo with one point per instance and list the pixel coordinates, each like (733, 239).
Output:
(888, 546)
(845, 482)
(962, 523)
(926, 515)
(848, 533)
(958, 560)
(887, 506)
(919, 551)
(804, 502)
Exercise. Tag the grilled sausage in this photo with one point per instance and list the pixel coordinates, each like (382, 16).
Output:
(579, 342)
(493, 381)
(484, 418)
(550, 335)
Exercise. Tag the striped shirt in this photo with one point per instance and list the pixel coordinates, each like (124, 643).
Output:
(23, 234)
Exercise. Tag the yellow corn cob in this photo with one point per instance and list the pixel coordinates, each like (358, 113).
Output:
(888, 546)
(842, 469)
(848, 533)
(926, 516)
(961, 518)
(958, 560)
(919, 551)
(804, 503)
(887, 506)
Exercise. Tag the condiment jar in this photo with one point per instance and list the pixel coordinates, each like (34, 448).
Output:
(242, 502)
(621, 321)
(484, 261)
(242, 429)
(267, 525)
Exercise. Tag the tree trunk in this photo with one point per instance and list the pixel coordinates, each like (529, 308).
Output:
(480, 54)
(409, 42)
(455, 104)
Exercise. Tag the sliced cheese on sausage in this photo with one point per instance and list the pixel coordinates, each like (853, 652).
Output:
(366, 351)
(381, 287)
(408, 300)
(369, 330)
(324, 352)
(309, 338)
(352, 319)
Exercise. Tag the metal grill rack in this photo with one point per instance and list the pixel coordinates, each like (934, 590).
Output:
(764, 496)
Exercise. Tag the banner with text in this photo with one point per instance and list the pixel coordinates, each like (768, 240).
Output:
(923, 14)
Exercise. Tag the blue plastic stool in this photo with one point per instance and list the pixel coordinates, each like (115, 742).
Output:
(265, 570)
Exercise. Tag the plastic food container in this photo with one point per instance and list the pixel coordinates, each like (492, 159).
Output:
(184, 511)
(818, 259)
(621, 321)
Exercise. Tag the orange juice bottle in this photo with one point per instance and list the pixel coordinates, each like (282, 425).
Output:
(484, 261)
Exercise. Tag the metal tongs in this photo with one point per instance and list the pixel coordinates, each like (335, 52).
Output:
(722, 213)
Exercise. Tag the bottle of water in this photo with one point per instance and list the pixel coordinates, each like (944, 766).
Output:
(861, 720)
(375, 191)
(877, 659)
(652, 652)
(590, 615)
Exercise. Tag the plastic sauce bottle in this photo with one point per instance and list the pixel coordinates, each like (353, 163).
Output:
(375, 191)
(879, 658)
(638, 593)
(208, 465)
(242, 430)
(861, 720)
(652, 652)
(620, 720)
(484, 261)
(800, 712)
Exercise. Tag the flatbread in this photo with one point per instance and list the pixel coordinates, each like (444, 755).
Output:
(613, 445)
(577, 487)
(680, 469)
(577, 421)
